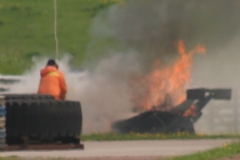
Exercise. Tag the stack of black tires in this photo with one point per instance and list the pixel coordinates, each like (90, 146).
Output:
(34, 118)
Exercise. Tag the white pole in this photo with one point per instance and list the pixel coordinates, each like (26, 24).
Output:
(55, 26)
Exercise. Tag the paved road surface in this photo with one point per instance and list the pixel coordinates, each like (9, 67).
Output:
(145, 148)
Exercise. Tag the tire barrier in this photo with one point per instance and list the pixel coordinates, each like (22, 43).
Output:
(33, 118)
(2, 123)
(9, 97)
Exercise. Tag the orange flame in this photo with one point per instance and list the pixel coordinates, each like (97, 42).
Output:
(164, 87)
(192, 111)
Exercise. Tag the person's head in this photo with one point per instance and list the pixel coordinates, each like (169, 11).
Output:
(52, 62)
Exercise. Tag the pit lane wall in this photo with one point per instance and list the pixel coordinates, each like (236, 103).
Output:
(7, 80)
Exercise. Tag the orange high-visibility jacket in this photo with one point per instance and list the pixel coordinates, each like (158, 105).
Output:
(52, 82)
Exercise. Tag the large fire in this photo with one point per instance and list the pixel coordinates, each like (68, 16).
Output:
(164, 87)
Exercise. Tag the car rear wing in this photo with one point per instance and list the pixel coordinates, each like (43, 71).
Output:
(199, 98)
(201, 93)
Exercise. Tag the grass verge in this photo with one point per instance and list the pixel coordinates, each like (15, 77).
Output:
(147, 136)
(27, 30)
(227, 150)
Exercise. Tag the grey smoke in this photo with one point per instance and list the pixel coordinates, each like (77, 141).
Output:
(152, 27)
(103, 93)
(127, 38)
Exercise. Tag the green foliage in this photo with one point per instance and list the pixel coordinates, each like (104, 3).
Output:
(148, 136)
(227, 150)
(27, 29)
(10, 158)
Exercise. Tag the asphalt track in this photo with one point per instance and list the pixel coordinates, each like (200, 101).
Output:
(145, 148)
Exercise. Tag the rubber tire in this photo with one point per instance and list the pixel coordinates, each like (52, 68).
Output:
(42, 119)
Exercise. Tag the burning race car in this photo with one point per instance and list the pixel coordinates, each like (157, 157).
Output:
(177, 119)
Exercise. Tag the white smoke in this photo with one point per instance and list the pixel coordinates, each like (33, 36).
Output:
(219, 69)
(150, 28)
(103, 93)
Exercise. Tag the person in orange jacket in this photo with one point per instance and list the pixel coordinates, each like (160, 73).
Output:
(52, 81)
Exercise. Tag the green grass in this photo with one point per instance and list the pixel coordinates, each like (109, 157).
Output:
(147, 136)
(224, 151)
(27, 30)
(11, 158)
(227, 150)
(38, 158)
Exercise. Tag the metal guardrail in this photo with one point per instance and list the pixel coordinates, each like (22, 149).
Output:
(2, 122)
(7, 80)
